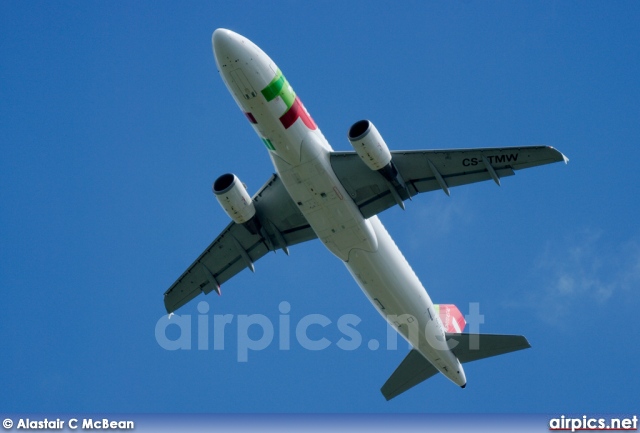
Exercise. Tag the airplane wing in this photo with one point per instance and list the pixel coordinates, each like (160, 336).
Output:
(282, 224)
(429, 170)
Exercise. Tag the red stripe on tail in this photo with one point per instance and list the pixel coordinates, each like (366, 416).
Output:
(452, 318)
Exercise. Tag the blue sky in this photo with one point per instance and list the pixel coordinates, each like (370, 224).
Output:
(114, 123)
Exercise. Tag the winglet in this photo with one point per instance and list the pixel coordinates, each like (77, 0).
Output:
(564, 157)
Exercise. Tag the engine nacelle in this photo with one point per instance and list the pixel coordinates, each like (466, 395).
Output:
(234, 199)
(369, 145)
(371, 148)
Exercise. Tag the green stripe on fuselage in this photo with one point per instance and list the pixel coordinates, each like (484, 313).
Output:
(268, 143)
(275, 86)
(279, 86)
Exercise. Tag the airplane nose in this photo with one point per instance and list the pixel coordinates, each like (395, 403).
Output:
(223, 41)
(462, 377)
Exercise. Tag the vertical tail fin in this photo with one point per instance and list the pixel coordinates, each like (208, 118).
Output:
(451, 317)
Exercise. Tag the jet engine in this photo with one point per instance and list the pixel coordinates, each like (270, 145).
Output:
(371, 148)
(234, 199)
(369, 145)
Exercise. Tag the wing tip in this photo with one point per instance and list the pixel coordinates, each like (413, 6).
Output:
(564, 157)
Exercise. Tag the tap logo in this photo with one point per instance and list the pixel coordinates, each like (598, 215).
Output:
(280, 88)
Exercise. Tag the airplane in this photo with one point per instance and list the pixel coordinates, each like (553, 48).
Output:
(335, 197)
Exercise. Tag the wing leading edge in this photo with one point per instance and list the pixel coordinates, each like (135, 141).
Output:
(430, 170)
(236, 248)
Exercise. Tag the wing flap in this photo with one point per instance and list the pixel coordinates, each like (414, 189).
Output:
(222, 260)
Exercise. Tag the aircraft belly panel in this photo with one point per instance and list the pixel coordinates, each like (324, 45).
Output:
(330, 211)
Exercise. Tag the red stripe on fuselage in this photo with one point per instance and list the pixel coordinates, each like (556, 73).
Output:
(296, 111)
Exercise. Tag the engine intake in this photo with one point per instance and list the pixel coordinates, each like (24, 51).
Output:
(369, 145)
(234, 199)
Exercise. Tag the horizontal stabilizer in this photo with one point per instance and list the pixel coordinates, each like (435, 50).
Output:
(413, 370)
(466, 347)
(471, 347)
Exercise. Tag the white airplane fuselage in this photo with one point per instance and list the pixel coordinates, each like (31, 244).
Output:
(300, 155)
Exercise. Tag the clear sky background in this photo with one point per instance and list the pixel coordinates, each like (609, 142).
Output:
(114, 123)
